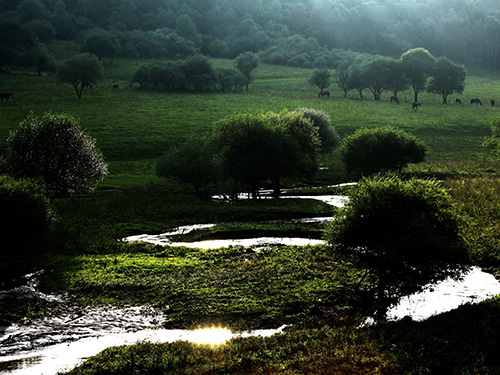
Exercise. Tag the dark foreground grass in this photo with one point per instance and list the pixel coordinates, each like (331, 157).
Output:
(464, 341)
(317, 351)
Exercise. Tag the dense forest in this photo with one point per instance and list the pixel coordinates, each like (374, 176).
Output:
(307, 33)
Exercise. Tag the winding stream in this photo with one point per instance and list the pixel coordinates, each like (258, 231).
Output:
(54, 344)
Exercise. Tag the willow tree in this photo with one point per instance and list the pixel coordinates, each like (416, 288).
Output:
(252, 148)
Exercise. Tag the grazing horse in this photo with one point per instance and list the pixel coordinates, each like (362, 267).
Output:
(492, 101)
(86, 84)
(115, 87)
(394, 98)
(324, 93)
(6, 95)
(458, 101)
(476, 101)
(415, 105)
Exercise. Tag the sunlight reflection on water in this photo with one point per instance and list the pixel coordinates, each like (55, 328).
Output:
(66, 356)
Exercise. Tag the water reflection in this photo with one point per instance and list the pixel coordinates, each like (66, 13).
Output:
(447, 295)
(64, 357)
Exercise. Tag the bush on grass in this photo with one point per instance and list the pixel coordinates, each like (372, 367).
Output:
(401, 235)
(55, 149)
(370, 151)
(328, 137)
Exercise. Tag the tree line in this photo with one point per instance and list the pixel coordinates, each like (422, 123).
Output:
(416, 69)
(196, 73)
(325, 34)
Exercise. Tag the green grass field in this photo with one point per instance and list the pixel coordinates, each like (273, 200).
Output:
(134, 127)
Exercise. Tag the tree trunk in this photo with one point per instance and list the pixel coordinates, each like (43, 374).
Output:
(78, 92)
(253, 187)
(276, 187)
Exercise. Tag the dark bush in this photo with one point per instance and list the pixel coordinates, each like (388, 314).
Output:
(370, 151)
(192, 162)
(328, 137)
(25, 210)
(55, 149)
(401, 235)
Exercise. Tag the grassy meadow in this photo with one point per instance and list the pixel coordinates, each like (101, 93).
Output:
(234, 286)
(134, 127)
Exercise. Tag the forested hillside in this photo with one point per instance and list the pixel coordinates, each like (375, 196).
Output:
(307, 33)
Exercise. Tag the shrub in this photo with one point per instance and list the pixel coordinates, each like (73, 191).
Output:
(25, 209)
(370, 151)
(401, 235)
(266, 146)
(328, 137)
(54, 148)
(192, 162)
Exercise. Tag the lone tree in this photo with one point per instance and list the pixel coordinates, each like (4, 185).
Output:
(252, 148)
(418, 64)
(80, 71)
(246, 64)
(370, 151)
(400, 235)
(447, 78)
(54, 148)
(320, 78)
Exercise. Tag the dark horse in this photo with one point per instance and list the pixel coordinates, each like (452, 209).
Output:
(476, 101)
(86, 84)
(6, 95)
(394, 98)
(415, 105)
(115, 87)
(458, 101)
(492, 101)
(324, 93)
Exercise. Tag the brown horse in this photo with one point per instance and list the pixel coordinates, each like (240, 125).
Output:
(115, 87)
(6, 95)
(476, 101)
(86, 84)
(492, 101)
(458, 101)
(394, 98)
(324, 93)
(415, 105)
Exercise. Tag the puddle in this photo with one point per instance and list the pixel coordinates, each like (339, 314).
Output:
(165, 239)
(50, 361)
(332, 200)
(256, 243)
(447, 295)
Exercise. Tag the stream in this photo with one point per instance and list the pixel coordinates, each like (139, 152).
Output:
(59, 343)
